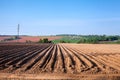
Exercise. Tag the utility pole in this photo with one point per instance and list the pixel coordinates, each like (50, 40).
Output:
(18, 31)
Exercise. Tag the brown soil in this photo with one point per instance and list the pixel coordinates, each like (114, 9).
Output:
(60, 61)
(2, 38)
(35, 38)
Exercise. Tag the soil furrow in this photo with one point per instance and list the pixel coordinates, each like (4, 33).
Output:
(70, 63)
(28, 58)
(58, 64)
(87, 62)
(14, 53)
(108, 67)
(43, 58)
(73, 60)
(47, 58)
(35, 61)
(63, 57)
(80, 64)
(50, 65)
(60, 59)
(14, 64)
(111, 64)
(22, 55)
(113, 60)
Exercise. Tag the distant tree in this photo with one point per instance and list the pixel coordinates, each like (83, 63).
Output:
(45, 40)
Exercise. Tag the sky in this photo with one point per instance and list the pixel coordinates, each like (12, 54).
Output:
(51, 17)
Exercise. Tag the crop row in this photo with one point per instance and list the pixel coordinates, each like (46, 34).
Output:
(55, 58)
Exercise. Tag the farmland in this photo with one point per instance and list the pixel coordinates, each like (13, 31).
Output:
(59, 61)
(23, 39)
(89, 39)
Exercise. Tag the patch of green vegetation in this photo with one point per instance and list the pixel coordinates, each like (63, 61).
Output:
(66, 39)
(94, 39)
(45, 40)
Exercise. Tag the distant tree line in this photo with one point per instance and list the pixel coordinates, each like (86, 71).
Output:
(97, 38)
(88, 39)
(66, 35)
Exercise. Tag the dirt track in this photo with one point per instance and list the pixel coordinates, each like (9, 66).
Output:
(70, 59)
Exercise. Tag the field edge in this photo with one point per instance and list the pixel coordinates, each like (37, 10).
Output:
(58, 76)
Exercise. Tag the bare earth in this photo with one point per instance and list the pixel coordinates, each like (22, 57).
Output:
(60, 61)
(35, 38)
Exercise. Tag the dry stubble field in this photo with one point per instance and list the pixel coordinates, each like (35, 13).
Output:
(60, 61)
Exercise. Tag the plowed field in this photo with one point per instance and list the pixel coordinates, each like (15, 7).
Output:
(59, 61)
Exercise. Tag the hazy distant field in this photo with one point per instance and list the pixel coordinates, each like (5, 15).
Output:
(30, 38)
(60, 61)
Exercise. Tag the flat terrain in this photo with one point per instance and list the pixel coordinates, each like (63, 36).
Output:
(2, 38)
(31, 38)
(60, 61)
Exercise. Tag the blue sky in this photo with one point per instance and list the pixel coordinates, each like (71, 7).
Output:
(50, 17)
